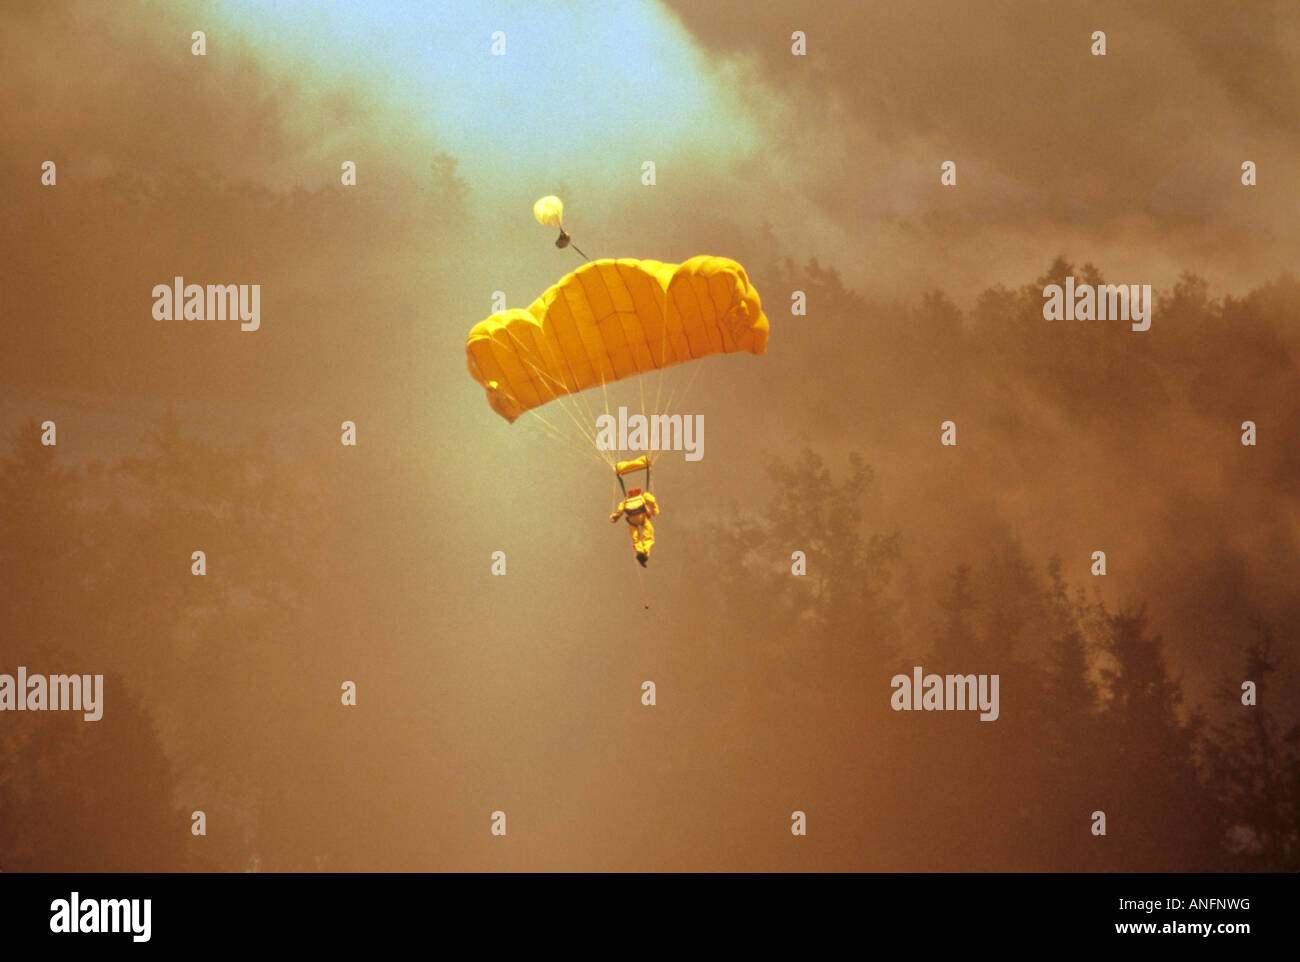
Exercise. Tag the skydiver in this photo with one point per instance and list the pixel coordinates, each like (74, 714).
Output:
(639, 508)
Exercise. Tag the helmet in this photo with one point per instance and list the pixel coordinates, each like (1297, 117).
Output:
(633, 492)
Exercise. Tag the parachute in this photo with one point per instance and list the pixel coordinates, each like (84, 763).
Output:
(610, 321)
(614, 319)
(549, 211)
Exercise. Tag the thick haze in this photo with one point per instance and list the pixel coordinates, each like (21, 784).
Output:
(818, 173)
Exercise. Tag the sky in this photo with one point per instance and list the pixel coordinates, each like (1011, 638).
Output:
(818, 172)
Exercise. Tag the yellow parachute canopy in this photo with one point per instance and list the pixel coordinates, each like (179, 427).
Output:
(612, 319)
(549, 210)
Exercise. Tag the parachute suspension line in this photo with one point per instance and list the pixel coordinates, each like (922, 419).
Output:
(584, 256)
(589, 435)
(587, 450)
(698, 364)
(611, 459)
(577, 400)
(577, 422)
(659, 374)
(640, 384)
(606, 458)
(663, 347)
(568, 439)
(604, 394)
(569, 401)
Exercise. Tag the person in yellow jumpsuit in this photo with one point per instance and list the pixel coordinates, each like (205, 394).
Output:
(640, 508)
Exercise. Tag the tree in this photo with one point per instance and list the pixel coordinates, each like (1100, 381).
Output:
(1255, 767)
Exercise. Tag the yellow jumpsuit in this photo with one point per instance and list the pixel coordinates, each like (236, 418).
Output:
(639, 510)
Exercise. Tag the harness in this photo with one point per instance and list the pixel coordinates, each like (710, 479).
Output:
(634, 507)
